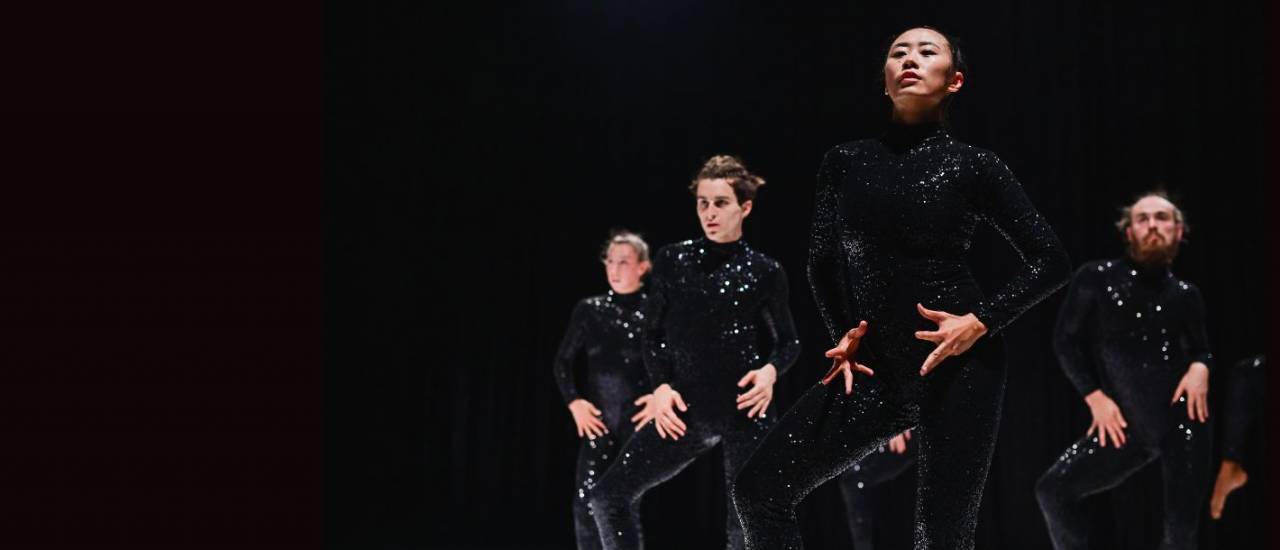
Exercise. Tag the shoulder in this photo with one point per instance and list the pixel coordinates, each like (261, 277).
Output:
(849, 149)
(1094, 270)
(591, 303)
(1185, 287)
(673, 249)
(767, 263)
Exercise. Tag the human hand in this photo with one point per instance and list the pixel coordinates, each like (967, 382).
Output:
(759, 396)
(955, 335)
(1107, 419)
(1195, 386)
(659, 407)
(898, 444)
(587, 418)
(842, 361)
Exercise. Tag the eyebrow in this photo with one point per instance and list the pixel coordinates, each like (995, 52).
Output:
(908, 44)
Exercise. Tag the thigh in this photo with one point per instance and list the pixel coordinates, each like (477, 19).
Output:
(822, 435)
(1186, 462)
(880, 466)
(647, 460)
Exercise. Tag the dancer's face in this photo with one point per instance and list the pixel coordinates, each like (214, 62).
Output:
(623, 268)
(1154, 232)
(719, 211)
(917, 72)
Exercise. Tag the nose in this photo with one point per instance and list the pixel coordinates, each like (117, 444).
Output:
(909, 62)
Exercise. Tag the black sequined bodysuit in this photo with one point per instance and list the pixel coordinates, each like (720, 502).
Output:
(893, 219)
(1131, 332)
(607, 329)
(1243, 409)
(708, 303)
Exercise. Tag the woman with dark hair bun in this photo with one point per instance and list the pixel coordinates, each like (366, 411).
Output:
(892, 221)
(710, 300)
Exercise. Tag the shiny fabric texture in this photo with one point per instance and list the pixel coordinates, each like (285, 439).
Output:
(1131, 331)
(1243, 407)
(893, 218)
(857, 482)
(607, 330)
(708, 303)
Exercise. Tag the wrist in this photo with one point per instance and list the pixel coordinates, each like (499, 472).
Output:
(1095, 397)
(979, 326)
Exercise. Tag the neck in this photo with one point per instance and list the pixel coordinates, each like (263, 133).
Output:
(726, 238)
(917, 116)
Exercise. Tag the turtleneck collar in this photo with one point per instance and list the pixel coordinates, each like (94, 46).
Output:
(709, 244)
(901, 137)
(627, 300)
(1146, 273)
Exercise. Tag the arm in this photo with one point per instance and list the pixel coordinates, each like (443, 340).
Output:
(1196, 338)
(570, 346)
(1045, 266)
(1072, 329)
(825, 265)
(1195, 383)
(782, 329)
(786, 347)
(657, 359)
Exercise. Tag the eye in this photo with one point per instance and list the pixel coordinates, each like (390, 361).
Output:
(928, 52)
(897, 54)
(722, 203)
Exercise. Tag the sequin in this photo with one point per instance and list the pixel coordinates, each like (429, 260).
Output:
(709, 304)
(1103, 348)
(893, 219)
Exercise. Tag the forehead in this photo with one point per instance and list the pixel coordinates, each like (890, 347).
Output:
(1150, 205)
(717, 187)
(915, 36)
(622, 251)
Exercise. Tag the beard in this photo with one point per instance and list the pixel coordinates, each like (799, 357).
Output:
(1159, 254)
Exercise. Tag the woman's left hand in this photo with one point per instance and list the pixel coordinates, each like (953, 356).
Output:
(955, 335)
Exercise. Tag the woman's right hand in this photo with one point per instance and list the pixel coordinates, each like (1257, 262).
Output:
(842, 360)
(1106, 419)
(587, 418)
(659, 407)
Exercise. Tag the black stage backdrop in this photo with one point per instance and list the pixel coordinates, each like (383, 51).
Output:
(478, 156)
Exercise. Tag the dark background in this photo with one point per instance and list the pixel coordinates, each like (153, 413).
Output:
(477, 157)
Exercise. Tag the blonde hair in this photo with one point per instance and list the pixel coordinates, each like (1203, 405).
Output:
(622, 236)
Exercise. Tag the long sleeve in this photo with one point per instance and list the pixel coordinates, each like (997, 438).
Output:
(570, 346)
(825, 265)
(777, 317)
(657, 358)
(1243, 406)
(1045, 267)
(1195, 336)
(1071, 333)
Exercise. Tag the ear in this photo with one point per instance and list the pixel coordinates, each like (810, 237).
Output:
(746, 208)
(957, 82)
(1177, 234)
(645, 266)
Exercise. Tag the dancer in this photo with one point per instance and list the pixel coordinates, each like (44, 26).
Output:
(708, 299)
(1244, 403)
(892, 221)
(1131, 338)
(607, 330)
(881, 466)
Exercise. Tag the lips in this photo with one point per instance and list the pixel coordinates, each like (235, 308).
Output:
(908, 74)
